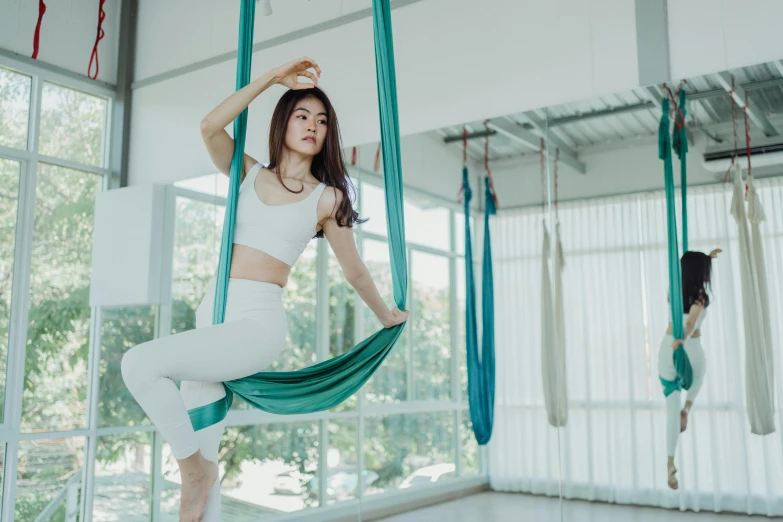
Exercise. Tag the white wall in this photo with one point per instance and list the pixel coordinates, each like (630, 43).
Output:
(714, 35)
(206, 28)
(448, 72)
(67, 33)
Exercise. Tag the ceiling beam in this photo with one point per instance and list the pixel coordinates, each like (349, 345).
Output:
(540, 127)
(740, 96)
(532, 141)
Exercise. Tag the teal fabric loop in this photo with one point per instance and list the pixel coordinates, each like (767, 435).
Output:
(681, 362)
(481, 373)
(328, 383)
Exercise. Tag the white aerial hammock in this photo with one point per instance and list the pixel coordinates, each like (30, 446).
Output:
(553, 366)
(759, 364)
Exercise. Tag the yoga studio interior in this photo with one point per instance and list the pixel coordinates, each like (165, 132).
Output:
(533, 273)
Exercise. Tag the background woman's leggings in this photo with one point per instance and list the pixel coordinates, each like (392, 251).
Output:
(667, 371)
(251, 337)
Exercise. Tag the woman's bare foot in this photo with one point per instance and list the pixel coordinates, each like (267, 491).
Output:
(672, 478)
(197, 481)
(683, 420)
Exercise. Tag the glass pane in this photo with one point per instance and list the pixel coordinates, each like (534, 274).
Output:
(271, 470)
(343, 461)
(59, 314)
(342, 335)
(299, 298)
(49, 470)
(123, 478)
(389, 383)
(427, 224)
(462, 354)
(72, 125)
(9, 204)
(374, 209)
(14, 108)
(212, 184)
(409, 451)
(121, 330)
(198, 229)
(470, 448)
(431, 331)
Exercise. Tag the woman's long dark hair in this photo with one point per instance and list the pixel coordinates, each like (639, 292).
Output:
(696, 270)
(328, 165)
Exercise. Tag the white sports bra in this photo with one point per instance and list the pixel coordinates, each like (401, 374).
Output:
(699, 321)
(282, 231)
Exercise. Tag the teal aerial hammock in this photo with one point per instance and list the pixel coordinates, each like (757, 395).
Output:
(681, 362)
(481, 374)
(326, 384)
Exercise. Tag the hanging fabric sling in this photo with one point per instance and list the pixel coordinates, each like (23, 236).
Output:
(481, 373)
(553, 363)
(759, 357)
(681, 362)
(326, 384)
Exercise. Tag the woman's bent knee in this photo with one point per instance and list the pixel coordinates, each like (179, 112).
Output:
(133, 366)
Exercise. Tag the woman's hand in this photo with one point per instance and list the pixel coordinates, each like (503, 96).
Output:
(714, 253)
(288, 74)
(395, 317)
(677, 343)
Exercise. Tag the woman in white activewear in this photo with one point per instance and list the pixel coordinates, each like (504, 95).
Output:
(696, 268)
(304, 192)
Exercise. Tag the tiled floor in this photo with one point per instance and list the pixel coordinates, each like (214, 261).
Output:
(509, 507)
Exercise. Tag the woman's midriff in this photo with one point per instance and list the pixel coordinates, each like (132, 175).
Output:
(697, 333)
(249, 263)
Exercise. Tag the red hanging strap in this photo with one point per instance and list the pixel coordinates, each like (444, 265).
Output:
(747, 140)
(734, 123)
(98, 37)
(542, 165)
(37, 37)
(557, 162)
(464, 160)
(353, 157)
(486, 163)
(679, 117)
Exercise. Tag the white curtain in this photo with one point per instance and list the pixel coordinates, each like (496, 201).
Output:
(524, 447)
(613, 448)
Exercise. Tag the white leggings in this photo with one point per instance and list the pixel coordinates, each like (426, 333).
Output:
(667, 371)
(251, 337)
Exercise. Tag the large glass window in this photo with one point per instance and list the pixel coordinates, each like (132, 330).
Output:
(47, 199)
(73, 125)
(59, 312)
